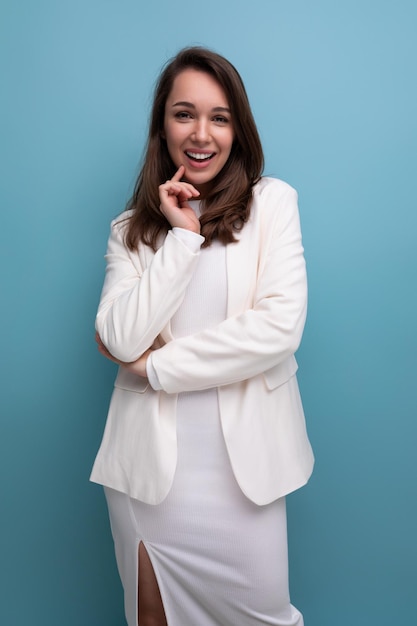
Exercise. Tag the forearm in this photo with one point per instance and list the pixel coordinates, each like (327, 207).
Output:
(137, 304)
(238, 349)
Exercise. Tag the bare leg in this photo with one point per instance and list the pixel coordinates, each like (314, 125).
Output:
(150, 608)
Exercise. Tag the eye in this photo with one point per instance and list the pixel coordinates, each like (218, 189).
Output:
(183, 115)
(220, 119)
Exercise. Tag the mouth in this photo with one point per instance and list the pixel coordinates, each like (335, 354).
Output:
(199, 157)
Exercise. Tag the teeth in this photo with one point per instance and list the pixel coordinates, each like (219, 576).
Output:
(200, 156)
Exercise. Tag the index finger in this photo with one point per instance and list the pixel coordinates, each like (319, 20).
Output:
(177, 176)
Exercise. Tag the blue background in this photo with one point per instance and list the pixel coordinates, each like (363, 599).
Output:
(333, 89)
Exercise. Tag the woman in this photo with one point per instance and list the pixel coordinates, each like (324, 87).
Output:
(203, 307)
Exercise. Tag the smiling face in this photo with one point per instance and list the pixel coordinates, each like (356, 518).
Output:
(198, 127)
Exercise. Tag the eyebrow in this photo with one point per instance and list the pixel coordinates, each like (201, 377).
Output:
(190, 105)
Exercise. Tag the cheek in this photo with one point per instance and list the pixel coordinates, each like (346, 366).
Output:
(229, 140)
(173, 144)
(229, 148)
(173, 138)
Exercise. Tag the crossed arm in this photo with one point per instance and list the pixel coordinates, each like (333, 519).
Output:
(132, 314)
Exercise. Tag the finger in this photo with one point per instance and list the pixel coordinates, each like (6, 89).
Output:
(100, 345)
(186, 187)
(177, 176)
(103, 350)
(184, 195)
(171, 188)
(177, 179)
(99, 342)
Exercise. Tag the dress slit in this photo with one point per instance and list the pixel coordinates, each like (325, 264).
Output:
(156, 581)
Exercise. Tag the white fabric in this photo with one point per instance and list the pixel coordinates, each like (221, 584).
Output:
(192, 240)
(249, 356)
(220, 559)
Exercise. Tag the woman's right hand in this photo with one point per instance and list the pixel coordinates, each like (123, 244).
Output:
(174, 196)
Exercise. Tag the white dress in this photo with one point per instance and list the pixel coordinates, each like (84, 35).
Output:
(220, 559)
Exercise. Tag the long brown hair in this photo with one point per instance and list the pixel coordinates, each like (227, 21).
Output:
(226, 208)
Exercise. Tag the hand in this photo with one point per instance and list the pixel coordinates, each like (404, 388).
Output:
(174, 196)
(137, 367)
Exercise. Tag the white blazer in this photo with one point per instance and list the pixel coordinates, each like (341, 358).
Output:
(249, 357)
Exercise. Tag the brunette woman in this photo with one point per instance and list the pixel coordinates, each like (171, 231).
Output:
(203, 308)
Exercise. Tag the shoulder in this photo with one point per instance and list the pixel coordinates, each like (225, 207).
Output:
(119, 226)
(274, 201)
(268, 187)
(121, 222)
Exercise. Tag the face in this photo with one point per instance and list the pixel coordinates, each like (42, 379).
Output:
(198, 127)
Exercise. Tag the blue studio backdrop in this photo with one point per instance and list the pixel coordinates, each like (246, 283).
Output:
(333, 88)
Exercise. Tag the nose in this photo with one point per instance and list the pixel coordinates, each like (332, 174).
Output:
(201, 131)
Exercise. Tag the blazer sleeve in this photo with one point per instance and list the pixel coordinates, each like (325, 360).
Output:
(259, 338)
(137, 302)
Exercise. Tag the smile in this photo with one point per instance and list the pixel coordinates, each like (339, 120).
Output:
(200, 156)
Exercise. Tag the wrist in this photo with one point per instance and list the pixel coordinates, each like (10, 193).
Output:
(189, 238)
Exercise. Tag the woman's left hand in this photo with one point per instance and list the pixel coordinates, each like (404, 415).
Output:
(137, 367)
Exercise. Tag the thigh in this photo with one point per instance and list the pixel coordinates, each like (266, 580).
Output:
(150, 608)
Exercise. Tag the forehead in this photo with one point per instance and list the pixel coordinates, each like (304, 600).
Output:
(197, 87)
